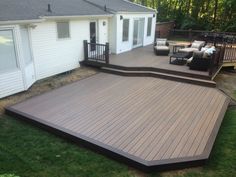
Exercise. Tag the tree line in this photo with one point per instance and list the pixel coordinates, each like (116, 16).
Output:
(218, 15)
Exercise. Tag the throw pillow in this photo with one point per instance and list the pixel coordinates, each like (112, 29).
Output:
(161, 43)
(206, 55)
(196, 45)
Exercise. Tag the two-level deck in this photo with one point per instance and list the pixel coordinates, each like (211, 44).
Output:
(143, 62)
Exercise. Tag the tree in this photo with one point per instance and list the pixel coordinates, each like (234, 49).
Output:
(196, 14)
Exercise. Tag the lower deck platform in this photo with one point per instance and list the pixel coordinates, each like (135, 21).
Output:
(149, 123)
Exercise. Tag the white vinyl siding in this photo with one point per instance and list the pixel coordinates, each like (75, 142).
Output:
(11, 83)
(53, 56)
(63, 30)
(125, 30)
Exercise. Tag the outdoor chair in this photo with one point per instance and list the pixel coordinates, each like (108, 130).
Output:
(195, 46)
(161, 47)
(202, 60)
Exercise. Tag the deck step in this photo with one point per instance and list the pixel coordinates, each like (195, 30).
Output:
(190, 80)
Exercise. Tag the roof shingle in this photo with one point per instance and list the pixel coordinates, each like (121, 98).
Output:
(34, 9)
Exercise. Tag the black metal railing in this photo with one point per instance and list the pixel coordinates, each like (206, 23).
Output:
(208, 36)
(217, 60)
(94, 52)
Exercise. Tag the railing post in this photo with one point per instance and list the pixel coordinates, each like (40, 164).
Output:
(190, 35)
(107, 53)
(85, 50)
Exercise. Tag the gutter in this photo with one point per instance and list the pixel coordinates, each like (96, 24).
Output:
(44, 18)
(10, 22)
(73, 17)
(124, 12)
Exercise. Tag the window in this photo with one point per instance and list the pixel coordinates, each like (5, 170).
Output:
(149, 26)
(125, 30)
(63, 30)
(7, 51)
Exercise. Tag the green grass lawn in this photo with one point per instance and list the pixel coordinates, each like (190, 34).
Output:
(27, 151)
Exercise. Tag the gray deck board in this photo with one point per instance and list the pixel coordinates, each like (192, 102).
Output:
(141, 118)
(145, 57)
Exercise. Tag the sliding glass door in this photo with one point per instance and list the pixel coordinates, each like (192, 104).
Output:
(138, 32)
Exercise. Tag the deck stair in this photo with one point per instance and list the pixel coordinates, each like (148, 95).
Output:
(173, 77)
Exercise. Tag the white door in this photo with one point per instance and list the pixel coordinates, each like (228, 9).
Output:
(138, 32)
(27, 56)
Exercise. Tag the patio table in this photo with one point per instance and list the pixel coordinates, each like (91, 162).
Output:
(177, 46)
(180, 58)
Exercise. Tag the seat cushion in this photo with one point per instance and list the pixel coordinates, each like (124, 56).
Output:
(162, 48)
(188, 49)
(198, 44)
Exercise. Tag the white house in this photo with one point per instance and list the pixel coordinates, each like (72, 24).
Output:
(41, 38)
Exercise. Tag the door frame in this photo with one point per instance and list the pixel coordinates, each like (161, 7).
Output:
(142, 37)
(32, 63)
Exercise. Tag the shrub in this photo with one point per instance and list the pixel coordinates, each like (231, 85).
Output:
(8, 175)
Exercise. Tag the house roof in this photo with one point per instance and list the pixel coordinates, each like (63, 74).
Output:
(11, 10)
(34, 9)
(121, 6)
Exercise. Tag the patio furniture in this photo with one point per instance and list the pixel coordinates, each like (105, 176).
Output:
(203, 63)
(179, 58)
(161, 47)
(177, 46)
(195, 46)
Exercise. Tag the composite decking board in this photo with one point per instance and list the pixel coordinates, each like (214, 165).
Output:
(147, 136)
(148, 120)
(185, 129)
(174, 131)
(145, 57)
(104, 117)
(166, 127)
(119, 122)
(129, 122)
(200, 131)
(189, 148)
(125, 137)
(204, 132)
(180, 141)
(117, 110)
(93, 106)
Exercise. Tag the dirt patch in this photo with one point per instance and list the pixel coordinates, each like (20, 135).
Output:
(46, 85)
(226, 81)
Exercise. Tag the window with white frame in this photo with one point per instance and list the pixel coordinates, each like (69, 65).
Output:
(125, 30)
(149, 26)
(8, 59)
(63, 30)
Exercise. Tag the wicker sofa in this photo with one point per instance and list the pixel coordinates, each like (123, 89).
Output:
(202, 63)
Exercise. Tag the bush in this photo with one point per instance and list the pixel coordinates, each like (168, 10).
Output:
(8, 175)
